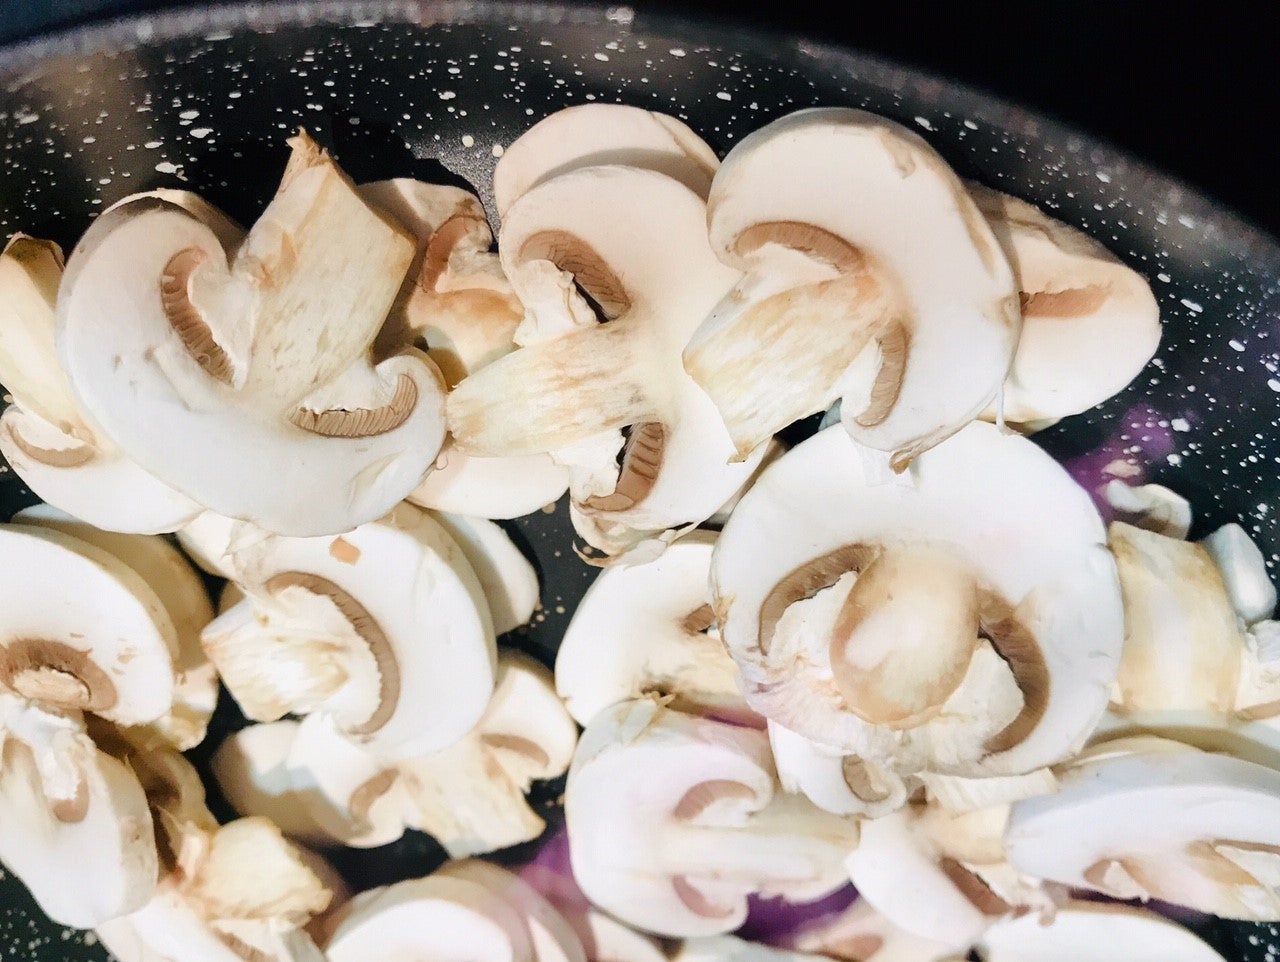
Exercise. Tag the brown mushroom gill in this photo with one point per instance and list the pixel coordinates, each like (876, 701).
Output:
(696, 902)
(974, 889)
(70, 810)
(699, 621)
(705, 794)
(361, 422)
(641, 462)
(367, 628)
(444, 240)
(1014, 642)
(525, 747)
(55, 674)
(595, 279)
(368, 792)
(806, 581)
(861, 782)
(185, 318)
(72, 457)
(1071, 302)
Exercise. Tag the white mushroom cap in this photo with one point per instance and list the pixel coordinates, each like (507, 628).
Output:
(507, 578)
(869, 274)
(498, 488)
(674, 820)
(1195, 829)
(862, 934)
(835, 782)
(1151, 507)
(213, 541)
(196, 383)
(1091, 932)
(604, 938)
(591, 135)
(1089, 323)
(595, 379)
(1244, 572)
(1010, 571)
(649, 629)
(384, 628)
(438, 917)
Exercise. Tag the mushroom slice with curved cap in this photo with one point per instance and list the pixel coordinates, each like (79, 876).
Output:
(649, 630)
(591, 135)
(1244, 572)
(967, 622)
(586, 384)
(674, 821)
(1151, 507)
(870, 277)
(862, 934)
(183, 595)
(211, 361)
(729, 948)
(438, 917)
(835, 782)
(1089, 322)
(45, 435)
(1092, 932)
(1187, 827)
(509, 582)
(384, 628)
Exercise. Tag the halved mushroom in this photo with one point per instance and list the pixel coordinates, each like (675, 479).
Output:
(1092, 932)
(207, 364)
(649, 630)
(385, 629)
(674, 820)
(862, 934)
(835, 782)
(1151, 507)
(593, 135)
(869, 277)
(964, 621)
(570, 394)
(45, 435)
(183, 595)
(507, 578)
(1188, 827)
(1089, 322)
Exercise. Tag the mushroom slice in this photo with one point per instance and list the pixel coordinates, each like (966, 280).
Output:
(1244, 573)
(1187, 827)
(964, 622)
(868, 273)
(592, 135)
(1091, 932)
(45, 435)
(384, 628)
(1089, 323)
(507, 578)
(649, 630)
(183, 595)
(862, 934)
(604, 938)
(438, 917)
(581, 387)
(835, 782)
(499, 488)
(212, 361)
(1151, 507)
(674, 821)
(729, 948)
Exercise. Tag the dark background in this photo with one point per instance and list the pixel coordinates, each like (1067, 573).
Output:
(1193, 88)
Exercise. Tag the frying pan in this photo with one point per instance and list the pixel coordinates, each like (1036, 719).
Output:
(203, 100)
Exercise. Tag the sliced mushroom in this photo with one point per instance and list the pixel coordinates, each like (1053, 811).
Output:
(862, 934)
(384, 628)
(211, 361)
(45, 435)
(1244, 573)
(507, 578)
(649, 630)
(593, 135)
(499, 488)
(729, 948)
(1089, 323)
(1151, 507)
(570, 394)
(1188, 827)
(966, 621)
(869, 277)
(674, 821)
(835, 782)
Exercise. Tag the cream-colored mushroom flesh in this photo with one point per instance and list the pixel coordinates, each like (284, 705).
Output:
(594, 379)
(212, 359)
(835, 782)
(862, 934)
(675, 820)
(649, 630)
(1192, 828)
(45, 436)
(591, 135)
(384, 628)
(869, 277)
(963, 620)
(252, 772)
(507, 578)
(729, 948)
(1090, 932)
(1089, 322)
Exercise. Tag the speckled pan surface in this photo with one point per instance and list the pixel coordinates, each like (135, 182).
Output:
(205, 100)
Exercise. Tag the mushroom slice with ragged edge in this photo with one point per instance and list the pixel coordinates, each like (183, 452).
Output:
(1089, 322)
(384, 629)
(456, 301)
(211, 361)
(835, 782)
(438, 917)
(862, 934)
(508, 580)
(1192, 828)
(593, 135)
(583, 386)
(1151, 507)
(870, 277)
(45, 435)
(182, 592)
(1093, 932)
(649, 630)
(674, 821)
(965, 622)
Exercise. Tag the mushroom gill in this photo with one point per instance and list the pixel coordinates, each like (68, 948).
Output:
(1072, 302)
(361, 422)
(806, 581)
(185, 318)
(55, 674)
(71, 457)
(591, 273)
(1015, 643)
(641, 462)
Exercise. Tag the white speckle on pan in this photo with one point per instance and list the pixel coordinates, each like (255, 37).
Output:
(1180, 424)
(220, 35)
(153, 144)
(468, 140)
(447, 94)
(1235, 345)
(602, 57)
(1164, 278)
(723, 95)
(167, 167)
(1103, 176)
(498, 150)
(189, 114)
(200, 133)
(971, 125)
(1191, 305)
(25, 118)
(1186, 220)
(924, 122)
(676, 51)
(1273, 384)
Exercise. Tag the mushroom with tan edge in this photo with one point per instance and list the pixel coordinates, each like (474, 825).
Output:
(1089, 322)
(674, 821)
(862, 934)
(384, 630)
(211, 359)
(963, 620)
(869, 277)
